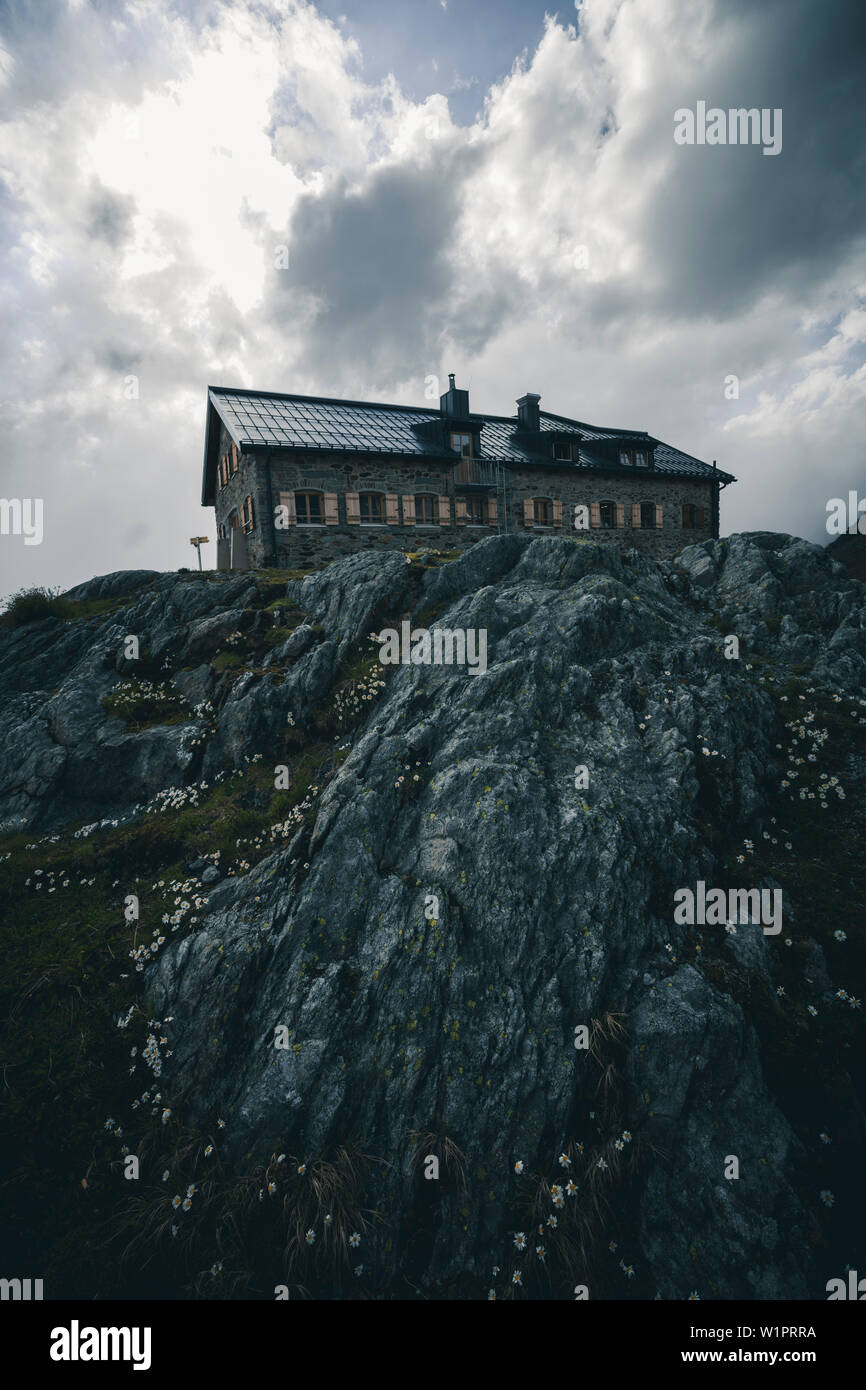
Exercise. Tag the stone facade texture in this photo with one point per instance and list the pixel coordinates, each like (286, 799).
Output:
(265, 482)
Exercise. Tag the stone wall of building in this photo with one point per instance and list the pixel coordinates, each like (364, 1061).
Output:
(265, 477)
(582, 489)
(230, 499)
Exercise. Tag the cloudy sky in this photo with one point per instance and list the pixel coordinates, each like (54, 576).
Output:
(434, 170)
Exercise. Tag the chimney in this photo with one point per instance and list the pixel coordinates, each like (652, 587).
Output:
(527, 412)
(455, 403)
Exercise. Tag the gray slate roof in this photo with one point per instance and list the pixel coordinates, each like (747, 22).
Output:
(268, 420)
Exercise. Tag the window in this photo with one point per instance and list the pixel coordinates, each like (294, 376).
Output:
(624, 457)
(542, 509)
(372, 508)
(690, 519)
(647, 515)
(475, 511)
(425, 510)
(308, 507)
(463, 444)
(607, 514)
(562, 450)
(640, 459)
(247, 514)
(222, 531)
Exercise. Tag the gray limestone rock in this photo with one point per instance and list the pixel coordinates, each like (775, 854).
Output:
(552, 902)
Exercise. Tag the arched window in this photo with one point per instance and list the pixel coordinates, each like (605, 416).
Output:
(425, 509)
(372, 508)
(647, 515)
(222, 531)
(607, 514)
(542, 509)
(308, 508)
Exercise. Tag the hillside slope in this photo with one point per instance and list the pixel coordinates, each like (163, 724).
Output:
(434, 906)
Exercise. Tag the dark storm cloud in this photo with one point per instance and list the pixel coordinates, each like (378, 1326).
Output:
(376, 265)
(729, 223)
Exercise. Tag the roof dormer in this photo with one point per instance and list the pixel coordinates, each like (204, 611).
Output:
(558, 445)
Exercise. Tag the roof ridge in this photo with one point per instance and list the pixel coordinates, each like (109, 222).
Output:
(424, 410)
(321, 400)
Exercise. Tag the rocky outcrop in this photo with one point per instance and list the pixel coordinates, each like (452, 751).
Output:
(462, 903)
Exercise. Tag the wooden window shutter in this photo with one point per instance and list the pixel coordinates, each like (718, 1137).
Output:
(595, 513)
(392, 509)
(492, 512)
(557, 512)
(409, 509)
(251, 513)
(234, 454)
(635, 514)
(528, 512)
(620, 514)
(332, 509)
(701, 515)
(287, 500)
(660, 515)
(444, 511)
(353, 510)
(460, 511)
